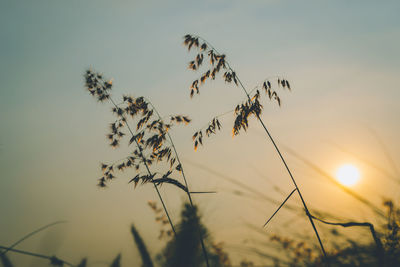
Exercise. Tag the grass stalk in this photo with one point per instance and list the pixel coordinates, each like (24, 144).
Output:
(29, 235)
(53, 259)
(378, 242)
(144, 253)
(186, 184)
(240, 84)
(148, 170)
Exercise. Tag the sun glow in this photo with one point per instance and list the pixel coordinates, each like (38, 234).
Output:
(348, 175)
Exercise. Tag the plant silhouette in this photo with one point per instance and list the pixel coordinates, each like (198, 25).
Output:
(151, 136)
(250, 107)
(141, 246)
(183, 250)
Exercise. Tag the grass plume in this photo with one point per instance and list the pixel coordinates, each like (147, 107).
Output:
(250, 107)
(152, 138)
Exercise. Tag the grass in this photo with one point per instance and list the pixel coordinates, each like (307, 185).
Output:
(155, 160)
(250, 107)
(153, 141)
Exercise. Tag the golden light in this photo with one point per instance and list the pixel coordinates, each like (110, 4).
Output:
(348, 175)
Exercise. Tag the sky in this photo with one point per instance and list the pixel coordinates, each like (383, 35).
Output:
(341, 58)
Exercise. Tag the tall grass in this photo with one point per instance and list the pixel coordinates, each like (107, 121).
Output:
(151, 136)
(30, 235)
(53, 260)
(5, 261)
(250, 107)
(141, 246)
(116, 262)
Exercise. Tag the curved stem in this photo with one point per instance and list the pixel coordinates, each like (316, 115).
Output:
(378, 242)
(186, 184)
(289, 172)
(298, 190)
(148, 171)
(280, 155)
(30, 234)
(37, 255)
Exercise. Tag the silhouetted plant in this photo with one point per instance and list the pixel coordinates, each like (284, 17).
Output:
(250, 107)
(141, 246)
(5, 261)
(183, 249)
(83, 263)
(31, 234)
(116, 262)
(391, 237)
(246, 263)
(297, 251)
(53, 260)
(151, 137)
(384, 250)
(379, 248)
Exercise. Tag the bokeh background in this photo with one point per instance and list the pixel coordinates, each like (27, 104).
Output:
(341, 58)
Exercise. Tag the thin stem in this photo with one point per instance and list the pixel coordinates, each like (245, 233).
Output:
(203, 192)
(186, 184)
(51, 258)
(29, 235)
(283, 203)
(241, 185)
(377, 240)
(148, 170)
(298, 190)
(280, 155)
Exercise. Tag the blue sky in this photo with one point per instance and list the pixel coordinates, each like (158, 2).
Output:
(341, 57)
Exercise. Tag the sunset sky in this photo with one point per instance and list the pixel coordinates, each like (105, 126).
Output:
(341, 57)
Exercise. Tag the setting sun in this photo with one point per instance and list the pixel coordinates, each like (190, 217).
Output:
(348, 175)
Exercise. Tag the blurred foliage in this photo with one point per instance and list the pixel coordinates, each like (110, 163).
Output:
(185, 249)
(353, 253)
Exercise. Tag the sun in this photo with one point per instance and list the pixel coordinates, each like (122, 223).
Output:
(348, 175)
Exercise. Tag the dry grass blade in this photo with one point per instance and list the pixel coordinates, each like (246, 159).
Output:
(203, 192)
(31, 234)
(141, 246)
(239, 184)
(249, 107)
(378, 242)
(117, 261)
(5, 261)
(53, 259)
(280, 206)
(167, 180)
